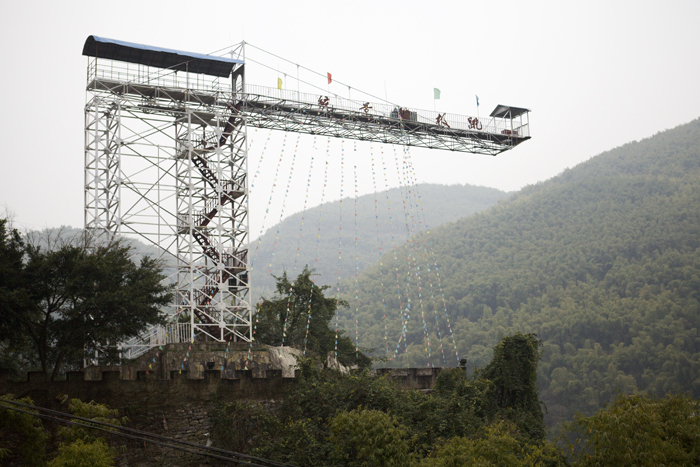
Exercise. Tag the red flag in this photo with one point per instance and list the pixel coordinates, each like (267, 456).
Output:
(329, 78)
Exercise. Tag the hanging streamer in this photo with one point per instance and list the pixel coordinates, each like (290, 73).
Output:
(357, 266)
(340, 246)
(296, 257)
(435, 268)
(318, 239)
(379, 245)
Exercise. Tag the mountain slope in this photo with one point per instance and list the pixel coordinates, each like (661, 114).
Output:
(398, 214)
(602, 262)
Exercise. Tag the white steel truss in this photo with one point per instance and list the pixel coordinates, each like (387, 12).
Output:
(166, 160)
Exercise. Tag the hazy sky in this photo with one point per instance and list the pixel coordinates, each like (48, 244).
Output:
(595, 74)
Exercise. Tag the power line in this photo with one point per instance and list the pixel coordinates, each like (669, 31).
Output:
(317, 73)
(144, 436)
(248, 59)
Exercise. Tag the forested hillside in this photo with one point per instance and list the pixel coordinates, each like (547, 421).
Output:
(278, 246)
(602, 262)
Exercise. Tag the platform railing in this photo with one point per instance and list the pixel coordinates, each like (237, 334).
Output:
(133, 73)
(124, 72)
(387, 111)
(173, 333)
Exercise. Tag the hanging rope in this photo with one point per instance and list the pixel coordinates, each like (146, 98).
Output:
(379, 245)
(296, 257)
(262, 227)
(407, 312)
(411, 262)
(340, 246)
(318, 239)
(396, 261)
(412, 250)
(435, 268)
(357, 266)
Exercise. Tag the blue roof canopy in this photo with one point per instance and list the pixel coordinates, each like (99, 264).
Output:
(159, 57)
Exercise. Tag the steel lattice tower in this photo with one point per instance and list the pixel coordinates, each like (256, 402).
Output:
(166, 159)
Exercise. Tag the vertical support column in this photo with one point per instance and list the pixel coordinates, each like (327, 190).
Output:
(102, 168)
(240, 282)
(173, 170)
(212, 216)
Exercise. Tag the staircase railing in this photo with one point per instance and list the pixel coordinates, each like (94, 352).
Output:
(173, 333)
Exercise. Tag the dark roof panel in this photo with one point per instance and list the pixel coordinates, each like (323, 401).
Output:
(506, 111)
(159, 57)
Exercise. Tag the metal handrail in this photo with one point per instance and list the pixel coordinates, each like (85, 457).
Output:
(318, 103)
(173, 333)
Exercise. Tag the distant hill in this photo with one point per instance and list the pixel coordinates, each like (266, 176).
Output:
(602, 262)
(399, 213)
(55, 236)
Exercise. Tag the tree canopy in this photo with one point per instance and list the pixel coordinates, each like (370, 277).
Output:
(65, 300)
(639, 430)
(300, 316)
(602, 262)
(439, 204)
(340, 420)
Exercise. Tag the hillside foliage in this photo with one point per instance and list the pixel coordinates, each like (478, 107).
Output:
(333, 419)
(325, 237)
(602, 262)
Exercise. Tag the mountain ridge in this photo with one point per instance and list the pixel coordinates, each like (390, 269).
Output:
(602, 262)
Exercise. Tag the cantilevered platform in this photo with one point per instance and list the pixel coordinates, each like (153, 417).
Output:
(271, 108)
(381, 122)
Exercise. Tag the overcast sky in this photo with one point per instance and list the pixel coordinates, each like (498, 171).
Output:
(595, 75)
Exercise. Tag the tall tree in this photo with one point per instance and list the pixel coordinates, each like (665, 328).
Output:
(513, 372)
(14, 356)
(300, 316)
(72, 298)
(640, 430)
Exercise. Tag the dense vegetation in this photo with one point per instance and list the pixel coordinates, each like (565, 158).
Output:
(26, 441)
(66, 299)
(334, 419)
(300, 316)
(639, 430)
(602, 262)
(491, 418)
(434, 204)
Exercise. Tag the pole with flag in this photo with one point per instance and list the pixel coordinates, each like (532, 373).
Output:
(436, 95)
(279, 83)
(477, 106)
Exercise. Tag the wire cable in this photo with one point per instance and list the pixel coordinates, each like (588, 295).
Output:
(138, 435)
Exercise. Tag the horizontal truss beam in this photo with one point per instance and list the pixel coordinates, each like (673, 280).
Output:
(288, 115)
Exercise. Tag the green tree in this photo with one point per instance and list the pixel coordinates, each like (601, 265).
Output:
(640, 430)
(368, 438)
(514, 394)
(15, 356)
(300, 316)
(82, 454)
(81, 446)
(497, 445)
(22, 432)
(70, 298)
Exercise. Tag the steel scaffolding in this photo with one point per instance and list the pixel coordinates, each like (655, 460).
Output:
(165, 158)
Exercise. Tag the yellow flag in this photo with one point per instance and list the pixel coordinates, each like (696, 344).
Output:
(279, 83)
